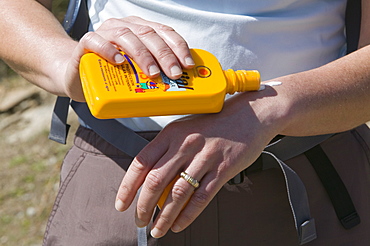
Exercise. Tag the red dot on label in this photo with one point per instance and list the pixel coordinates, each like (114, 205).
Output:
(203, 71)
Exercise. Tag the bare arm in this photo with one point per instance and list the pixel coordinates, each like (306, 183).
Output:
(35, 45)
(34, 42)
(332, 98)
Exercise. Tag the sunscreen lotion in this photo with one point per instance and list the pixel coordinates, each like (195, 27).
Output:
(121, 91)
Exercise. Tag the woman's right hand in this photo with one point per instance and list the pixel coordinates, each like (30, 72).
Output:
(151, 45)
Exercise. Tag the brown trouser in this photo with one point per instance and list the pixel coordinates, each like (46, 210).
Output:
(254, 213)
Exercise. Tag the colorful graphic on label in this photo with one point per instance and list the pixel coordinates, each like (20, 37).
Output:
(166, 84)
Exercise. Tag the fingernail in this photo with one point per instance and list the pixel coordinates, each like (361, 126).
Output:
(176, 71)
(120, 206)
(189, 61)
(119, 58)
(176, 228)
(153, 70)
(139, 223)
(156, 233)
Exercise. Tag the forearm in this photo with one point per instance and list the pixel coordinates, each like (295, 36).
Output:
(332, 98)
(34, 44)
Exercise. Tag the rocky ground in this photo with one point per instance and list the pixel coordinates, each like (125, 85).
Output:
(29, 161)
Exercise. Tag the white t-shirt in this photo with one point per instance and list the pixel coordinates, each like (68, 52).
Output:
(276, 37)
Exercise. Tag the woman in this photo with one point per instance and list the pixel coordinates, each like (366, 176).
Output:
(299, 43)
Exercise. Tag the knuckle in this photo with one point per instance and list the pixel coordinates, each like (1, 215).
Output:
(179, 193)
(87, 37)
(139, 164)
(165, 28)
(200, 199)
(213, 154)
(166, 219)
(141, 209)
(111, 22)
(180, 44)
(105, 46)
(122, 32)
(188, 218)
(141, 52)
(154, 181)
(92, 40)
(132, 18)
(164, 53)
(193, 140)
(123, 189)
(144, 31)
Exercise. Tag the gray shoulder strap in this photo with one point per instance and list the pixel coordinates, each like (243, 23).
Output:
(122, 137)
(298, 201)
(59, 127)
(289, 147)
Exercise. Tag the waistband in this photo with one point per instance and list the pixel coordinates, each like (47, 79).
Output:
(90, 141)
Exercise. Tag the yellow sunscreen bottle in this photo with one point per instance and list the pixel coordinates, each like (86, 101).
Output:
(121, 91)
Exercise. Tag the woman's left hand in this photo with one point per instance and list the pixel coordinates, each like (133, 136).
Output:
(211, 148)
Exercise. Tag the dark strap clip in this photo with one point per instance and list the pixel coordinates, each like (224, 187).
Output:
(238, 179)
(350, 220)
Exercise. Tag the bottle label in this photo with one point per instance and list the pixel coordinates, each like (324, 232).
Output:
(163, 83)
(129, 77)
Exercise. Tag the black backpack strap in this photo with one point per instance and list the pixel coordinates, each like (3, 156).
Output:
(334, 186)
(353, 24)
(59, 127)
(76, 21)
(76, 24)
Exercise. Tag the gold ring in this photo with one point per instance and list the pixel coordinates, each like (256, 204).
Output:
(190, 179)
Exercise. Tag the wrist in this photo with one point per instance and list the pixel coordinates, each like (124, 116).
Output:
(272, 109)
(63, 69)
(262, 114)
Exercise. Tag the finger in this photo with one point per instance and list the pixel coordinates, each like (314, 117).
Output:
(202, 196)
(90, 42)
(200, 176)
(162, 53)
(93, 42)
(142, 43)
(169, 166)
(137, 172)
(155, 183)
(147, 49)
(181, 193)
(175, 202)
(130, 43)
(174, 40)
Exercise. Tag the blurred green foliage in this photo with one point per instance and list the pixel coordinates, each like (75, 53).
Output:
(59, 8)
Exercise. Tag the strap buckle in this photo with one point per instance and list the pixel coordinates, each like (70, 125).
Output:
(350, 220)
